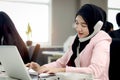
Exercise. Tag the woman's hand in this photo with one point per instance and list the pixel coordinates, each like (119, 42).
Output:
(42, 69)
(51, 70)
(33, 65)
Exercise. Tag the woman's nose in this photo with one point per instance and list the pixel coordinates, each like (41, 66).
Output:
(78, 28)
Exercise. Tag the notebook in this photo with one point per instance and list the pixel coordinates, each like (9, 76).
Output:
(13, 64)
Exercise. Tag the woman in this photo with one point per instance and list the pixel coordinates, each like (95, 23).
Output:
(89, 52)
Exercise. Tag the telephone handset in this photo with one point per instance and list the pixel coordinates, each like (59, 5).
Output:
(97, 28)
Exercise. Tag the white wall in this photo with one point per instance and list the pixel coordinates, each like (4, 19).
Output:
(63, 12)
(100, 3)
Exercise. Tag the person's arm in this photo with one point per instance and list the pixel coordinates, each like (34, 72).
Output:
(43, 69)
(51, 70)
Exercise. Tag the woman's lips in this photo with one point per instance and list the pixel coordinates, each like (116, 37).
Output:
(80, 34)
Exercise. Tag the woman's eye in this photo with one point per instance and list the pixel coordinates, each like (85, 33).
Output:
(76, 23)
(84, 25)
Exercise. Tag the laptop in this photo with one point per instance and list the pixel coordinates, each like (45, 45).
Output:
(13, 64)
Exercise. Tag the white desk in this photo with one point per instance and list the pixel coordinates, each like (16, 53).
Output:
(62, 76)
(53, 55)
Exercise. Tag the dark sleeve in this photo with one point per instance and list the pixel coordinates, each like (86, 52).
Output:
(115, 33)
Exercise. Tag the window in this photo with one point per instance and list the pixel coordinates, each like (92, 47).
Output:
(113, 9)
(33, 12)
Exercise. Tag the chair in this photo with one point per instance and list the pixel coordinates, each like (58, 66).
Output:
(35, 52)
(114, 67)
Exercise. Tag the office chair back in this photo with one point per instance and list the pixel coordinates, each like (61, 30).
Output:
(114, 67)
(35, 52)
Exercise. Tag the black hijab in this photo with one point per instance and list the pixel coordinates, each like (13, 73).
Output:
(91, 14)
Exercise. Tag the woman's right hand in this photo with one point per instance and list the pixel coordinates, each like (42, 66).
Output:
(33, 65)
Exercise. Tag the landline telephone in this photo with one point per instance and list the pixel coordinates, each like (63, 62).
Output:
(97, 28)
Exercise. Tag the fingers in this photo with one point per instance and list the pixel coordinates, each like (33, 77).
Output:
(46, 70)
(51, 70)
(43, 70)
(27, 65)
(34, 64)
(30, 65)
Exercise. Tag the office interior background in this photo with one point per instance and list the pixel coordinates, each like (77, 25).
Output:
(51, 21)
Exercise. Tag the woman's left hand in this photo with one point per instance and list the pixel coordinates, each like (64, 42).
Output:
(51, 70)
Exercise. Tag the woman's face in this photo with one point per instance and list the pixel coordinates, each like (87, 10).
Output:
(81, 27)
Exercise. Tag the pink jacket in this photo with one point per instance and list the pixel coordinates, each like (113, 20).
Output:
(94, 58)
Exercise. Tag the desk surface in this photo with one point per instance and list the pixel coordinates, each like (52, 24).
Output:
(62, 76)
(53, 53)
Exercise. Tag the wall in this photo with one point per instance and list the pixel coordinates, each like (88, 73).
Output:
(63, 12)
(100, 3)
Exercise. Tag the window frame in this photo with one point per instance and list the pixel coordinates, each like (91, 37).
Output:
(114, 9)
